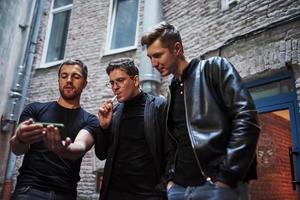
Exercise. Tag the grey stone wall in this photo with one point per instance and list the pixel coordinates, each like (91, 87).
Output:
(14, 31)
(12, 42)
(205, 28)
(272, 50)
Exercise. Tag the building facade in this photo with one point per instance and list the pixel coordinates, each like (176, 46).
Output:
(261, 38)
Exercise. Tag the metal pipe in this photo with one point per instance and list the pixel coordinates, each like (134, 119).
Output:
(150, 78)
(35, 20)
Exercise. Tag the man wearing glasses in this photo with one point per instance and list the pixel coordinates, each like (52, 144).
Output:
(132, 138)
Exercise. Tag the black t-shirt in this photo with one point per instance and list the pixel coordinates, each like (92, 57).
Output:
(42, 168)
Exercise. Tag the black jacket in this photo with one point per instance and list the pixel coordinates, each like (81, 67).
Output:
(222, 121)
(156, 137)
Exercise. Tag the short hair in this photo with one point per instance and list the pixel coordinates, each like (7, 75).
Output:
(75, 62)
(167, 33)
(125, 64)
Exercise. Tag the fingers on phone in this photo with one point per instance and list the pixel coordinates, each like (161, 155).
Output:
(66, 142)
(28, 121)
(31, 127)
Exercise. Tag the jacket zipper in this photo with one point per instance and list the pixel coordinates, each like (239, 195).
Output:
(209, 179)
(167, 117)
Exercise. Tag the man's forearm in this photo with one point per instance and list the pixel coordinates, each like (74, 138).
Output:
(74, 151)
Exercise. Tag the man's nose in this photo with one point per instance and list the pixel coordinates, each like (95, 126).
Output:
(154, 62)
(69, 79)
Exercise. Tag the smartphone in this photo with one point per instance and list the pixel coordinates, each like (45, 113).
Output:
(60, 126)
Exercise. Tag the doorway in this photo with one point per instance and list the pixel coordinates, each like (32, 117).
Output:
(277, 151)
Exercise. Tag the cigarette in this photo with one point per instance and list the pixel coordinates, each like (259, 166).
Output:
(114, 98)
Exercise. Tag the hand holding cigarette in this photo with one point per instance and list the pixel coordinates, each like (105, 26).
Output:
(105, 113)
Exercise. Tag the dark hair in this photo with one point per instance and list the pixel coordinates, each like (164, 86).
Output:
(125, 64)
(75, 62)
(167, 33)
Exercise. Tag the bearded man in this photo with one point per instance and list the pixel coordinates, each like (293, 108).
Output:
(51, 164)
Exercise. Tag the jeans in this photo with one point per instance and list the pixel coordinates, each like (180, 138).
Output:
(208, 191)
(115, 195)
(29, 193)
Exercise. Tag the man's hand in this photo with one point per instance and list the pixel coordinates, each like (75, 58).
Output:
(221, 184)
(169, 185)
(67, 148)
(28, 132)
(54, 141)
(105, 114)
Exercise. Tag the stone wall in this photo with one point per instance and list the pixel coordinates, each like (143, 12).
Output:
(206, 30)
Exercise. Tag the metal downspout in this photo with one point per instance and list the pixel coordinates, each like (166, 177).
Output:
(150, 78)
(19, 89)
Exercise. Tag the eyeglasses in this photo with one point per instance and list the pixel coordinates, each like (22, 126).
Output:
(119, 82)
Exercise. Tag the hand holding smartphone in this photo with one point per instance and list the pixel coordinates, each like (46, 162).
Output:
(60, 126)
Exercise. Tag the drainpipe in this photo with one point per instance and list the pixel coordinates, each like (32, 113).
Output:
(20, 87)
(150, 78)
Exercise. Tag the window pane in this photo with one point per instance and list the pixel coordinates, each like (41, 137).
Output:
(125, 23)
(271, 89)
(58, 36)
(60, 3)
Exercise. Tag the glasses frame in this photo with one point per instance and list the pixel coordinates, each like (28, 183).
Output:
(119, 82)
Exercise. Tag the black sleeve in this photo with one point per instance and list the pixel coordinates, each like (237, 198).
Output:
(245, 127)
(29, 112)
(169, 147)
(103, 139)
(102, 143)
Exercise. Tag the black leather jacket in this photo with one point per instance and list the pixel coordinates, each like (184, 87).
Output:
(156, 137)
(222, 121)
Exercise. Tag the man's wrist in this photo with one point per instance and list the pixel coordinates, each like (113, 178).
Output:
(19, 139)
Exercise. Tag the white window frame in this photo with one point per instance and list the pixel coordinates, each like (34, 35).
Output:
(48, 33)
(110, 25)
(226, 4)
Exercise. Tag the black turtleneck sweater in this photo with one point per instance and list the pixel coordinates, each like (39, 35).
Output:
(134, 170)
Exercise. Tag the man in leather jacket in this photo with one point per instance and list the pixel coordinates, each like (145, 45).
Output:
(211, 117)
(132, 138)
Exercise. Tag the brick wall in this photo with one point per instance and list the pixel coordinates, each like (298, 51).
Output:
(274, 173)
(204, 27)
(272, 50)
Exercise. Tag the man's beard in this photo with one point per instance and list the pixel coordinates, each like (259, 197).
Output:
(70, 96)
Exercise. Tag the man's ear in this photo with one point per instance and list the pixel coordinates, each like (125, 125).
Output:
(136, 80)
(85, 83)
(178, 48)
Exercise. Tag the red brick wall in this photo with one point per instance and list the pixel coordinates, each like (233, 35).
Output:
(274, 173)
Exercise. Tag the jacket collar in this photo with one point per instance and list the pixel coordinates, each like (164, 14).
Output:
(186, 72)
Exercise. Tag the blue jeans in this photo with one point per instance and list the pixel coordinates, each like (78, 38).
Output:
(208, 191)
(115, 195)
(29, 193)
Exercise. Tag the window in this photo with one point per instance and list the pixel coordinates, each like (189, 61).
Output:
(57, 32)
(271, 89)
(123, 22)
(226, 4)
